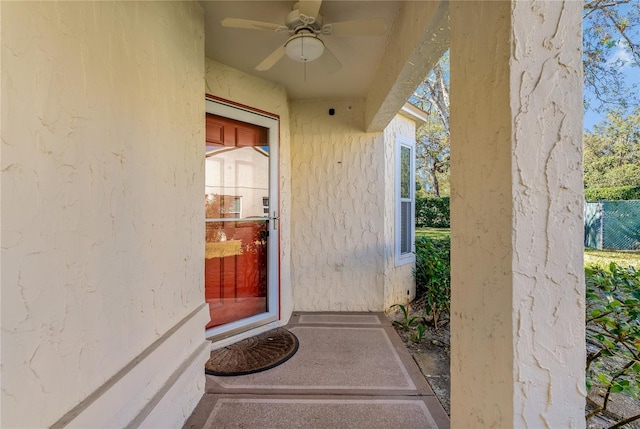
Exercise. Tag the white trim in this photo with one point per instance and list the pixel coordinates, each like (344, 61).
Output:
(220, 108)
(412, 112)
(161, 411)
(404, 258)
(234, 338)
(147, 379)
(239, 326)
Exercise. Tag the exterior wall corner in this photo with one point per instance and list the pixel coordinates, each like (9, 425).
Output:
(517, 322)
(102, 107)
(400, 286)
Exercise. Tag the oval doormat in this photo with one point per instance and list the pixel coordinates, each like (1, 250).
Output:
(253, 354)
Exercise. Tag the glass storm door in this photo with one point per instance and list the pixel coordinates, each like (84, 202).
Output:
(238, 287)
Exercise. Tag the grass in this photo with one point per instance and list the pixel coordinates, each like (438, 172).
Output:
(433, 232)
(591, 256)
(604, 257)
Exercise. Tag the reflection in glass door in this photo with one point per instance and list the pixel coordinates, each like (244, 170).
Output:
(237, 220)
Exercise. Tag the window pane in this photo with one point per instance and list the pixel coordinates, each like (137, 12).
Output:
(236, 182)
(236, 204)
(236, 260)
(405, 227)
(405, 172)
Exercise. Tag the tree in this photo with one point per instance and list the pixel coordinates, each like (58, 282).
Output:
(432, 138)
(611, 42)
(432, 155)
(612, 151)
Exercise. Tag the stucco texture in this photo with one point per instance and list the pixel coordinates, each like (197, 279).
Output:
(101, 192)
(336, 198)
(233, 85)
(399, 281)
(517, 322)
(337, 208)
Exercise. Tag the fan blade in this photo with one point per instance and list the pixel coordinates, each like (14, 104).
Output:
(329, 63)
(360, 27)
(272, 59)
(249, 24)
(310, 8)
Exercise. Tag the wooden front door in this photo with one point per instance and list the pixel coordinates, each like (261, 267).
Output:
(237, 219)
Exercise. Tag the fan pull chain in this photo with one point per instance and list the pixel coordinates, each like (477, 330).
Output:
(304, 61)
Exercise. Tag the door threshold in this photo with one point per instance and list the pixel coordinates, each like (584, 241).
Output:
(224, 340)
(223, 332)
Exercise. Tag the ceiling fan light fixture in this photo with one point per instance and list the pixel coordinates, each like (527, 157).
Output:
(304, 47)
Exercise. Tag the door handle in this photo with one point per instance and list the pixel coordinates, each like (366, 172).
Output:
(275, 220)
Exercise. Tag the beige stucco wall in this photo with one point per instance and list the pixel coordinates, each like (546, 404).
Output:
(517, 322)
(397, 279)
(336, 253)
(337, 208)
(101, 190)
(230, 84)
(419, 37)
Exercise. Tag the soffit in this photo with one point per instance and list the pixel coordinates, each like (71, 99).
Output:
(371, 66)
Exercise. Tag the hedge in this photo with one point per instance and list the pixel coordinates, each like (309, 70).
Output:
(432, 212)
(612, 194)
(433, 275)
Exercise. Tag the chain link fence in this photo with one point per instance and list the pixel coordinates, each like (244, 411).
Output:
(612, 225)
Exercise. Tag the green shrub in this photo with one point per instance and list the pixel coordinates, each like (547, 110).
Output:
(613, 332)
(432, 212)
(433, 275)
(418, 334)
(407, 322)
(612, 194)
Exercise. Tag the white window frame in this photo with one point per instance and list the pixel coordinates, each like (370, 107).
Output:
(406, 257)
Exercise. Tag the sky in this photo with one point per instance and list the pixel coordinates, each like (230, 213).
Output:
(632, 75)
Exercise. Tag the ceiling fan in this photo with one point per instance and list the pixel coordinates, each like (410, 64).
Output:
(304, 25)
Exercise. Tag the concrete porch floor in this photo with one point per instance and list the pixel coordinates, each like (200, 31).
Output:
(351, 371)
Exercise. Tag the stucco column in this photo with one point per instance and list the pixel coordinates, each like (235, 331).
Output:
(518, 348)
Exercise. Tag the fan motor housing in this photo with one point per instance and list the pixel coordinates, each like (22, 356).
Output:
(296, 23)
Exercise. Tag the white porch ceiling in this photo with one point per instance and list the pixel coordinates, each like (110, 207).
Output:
(383, 69)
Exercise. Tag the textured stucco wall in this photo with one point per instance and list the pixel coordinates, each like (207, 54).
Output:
(337, 208)
(397, 280)
(102, 175)
(419, 37)
(233, 85)
(518, 351)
